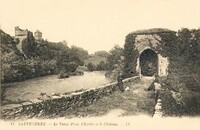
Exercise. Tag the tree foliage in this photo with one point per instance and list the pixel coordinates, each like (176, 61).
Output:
(102, 66)
(43, 58)
(91, 67)
(79, 52)
(115, 62)
(130, 54)
(104, 54)
(115, 55)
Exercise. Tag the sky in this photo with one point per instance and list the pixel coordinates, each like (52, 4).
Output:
(96, 24)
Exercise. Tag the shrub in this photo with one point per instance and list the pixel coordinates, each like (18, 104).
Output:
(90, 66)
(130, 55)
(70, 67)
(102, 66)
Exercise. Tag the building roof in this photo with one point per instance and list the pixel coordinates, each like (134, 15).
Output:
(151, 31)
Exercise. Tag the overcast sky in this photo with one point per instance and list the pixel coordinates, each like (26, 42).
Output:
(96, 24)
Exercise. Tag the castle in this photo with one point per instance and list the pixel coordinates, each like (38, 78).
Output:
(38, 35)
(23, 34)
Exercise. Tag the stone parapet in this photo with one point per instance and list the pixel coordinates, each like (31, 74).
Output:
(63, 102)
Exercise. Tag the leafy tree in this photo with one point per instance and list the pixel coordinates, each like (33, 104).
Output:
(184, 37)
(115, 62)
(28, 45)
(102, 66)
(115, 55)
(79, 52)
(130, 56)
(90, 66)
(104, 54)
(70, 67)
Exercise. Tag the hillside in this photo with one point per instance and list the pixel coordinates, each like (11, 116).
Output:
(36, 59)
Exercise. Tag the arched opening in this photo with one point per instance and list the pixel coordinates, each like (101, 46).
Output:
(149, 63)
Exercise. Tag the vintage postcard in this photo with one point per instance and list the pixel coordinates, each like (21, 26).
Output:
(97, 64)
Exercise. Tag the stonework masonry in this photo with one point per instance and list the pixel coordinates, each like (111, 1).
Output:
(38, 35)
(61, 103)
(20, 32)
(152, 42)
(21, 35)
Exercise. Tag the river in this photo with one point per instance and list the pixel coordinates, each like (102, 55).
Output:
(32, 88)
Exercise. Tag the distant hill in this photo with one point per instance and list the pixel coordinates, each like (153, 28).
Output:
(94, 60)
(97, 57)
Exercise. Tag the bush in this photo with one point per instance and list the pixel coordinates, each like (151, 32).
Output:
(63, 75)
(191, 103)
(102, 66)
(70, 67)
(91, 67)
(79, 72)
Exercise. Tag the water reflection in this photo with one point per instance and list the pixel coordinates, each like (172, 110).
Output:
(33, 88)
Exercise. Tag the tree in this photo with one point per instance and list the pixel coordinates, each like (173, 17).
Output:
(115, 62)
(104, 54)
(70, 67)
(184, 38)
(29, 45)
(90, 66)
(102, 66)
(79, 52)
(130, 56)
(115, 56)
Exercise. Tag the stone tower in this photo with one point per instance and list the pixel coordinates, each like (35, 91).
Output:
(150, 59)
(38, 35)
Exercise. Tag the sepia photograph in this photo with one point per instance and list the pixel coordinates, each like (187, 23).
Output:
(100, 64)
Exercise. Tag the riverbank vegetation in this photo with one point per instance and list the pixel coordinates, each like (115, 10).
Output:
(111, 61)
(28, 58)
(38, 58)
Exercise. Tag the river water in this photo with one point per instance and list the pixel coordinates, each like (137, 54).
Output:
(32, 89)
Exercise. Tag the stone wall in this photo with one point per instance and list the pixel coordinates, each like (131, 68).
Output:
(153, 42)
(159, 40)
(19, 32)
(50, 107)
(147, 41)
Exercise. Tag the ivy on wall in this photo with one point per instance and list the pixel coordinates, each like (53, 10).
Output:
(168, 48)
(130, 55)
(169, 44)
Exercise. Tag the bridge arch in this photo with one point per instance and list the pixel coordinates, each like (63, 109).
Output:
(148, 63)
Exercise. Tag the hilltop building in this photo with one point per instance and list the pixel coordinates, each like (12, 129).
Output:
(20, 36)
(38, 35)
(20, 33)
